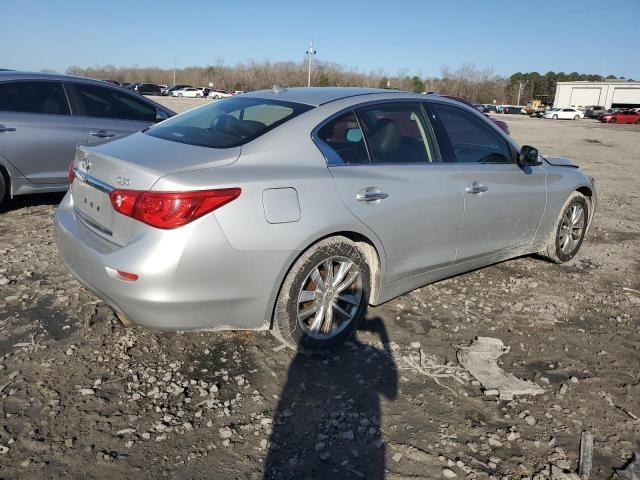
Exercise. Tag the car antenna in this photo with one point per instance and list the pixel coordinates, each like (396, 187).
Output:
(278, 89)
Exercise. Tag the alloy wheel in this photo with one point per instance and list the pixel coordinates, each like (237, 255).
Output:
(571, 228)
(330, 298)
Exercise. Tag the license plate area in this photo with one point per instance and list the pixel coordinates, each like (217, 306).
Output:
(94, 206)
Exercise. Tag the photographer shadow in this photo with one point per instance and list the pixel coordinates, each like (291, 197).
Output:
(328, 420)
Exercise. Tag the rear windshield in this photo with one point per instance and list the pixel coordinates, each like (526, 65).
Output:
(227, 123)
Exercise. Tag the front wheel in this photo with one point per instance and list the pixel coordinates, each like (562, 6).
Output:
(568, 233)
(324, 297)
(555, 117)
(577, 117)
(179, 94)
(198, 95)
(613, 120)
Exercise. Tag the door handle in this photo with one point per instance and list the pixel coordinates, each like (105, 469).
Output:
(371, 194)
(7, 129)
(476, 187)
(102, 133)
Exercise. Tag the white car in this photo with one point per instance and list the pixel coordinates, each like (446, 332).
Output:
(189, 92)
(564, 113)
(218, 93)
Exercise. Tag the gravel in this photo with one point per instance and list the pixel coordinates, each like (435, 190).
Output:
(81, 396)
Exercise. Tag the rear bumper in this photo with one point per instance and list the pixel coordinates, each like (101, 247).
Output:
(189, 278)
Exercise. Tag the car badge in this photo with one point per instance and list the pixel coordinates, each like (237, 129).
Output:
(85, 163)
(122, 181)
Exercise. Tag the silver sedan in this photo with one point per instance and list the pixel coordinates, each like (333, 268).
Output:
(295, 209)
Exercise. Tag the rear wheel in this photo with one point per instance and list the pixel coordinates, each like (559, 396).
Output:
(613, 120)
(324, 296)
(577, 117)
(179, 94)
(3, 187)
(198, 95)
(567, 236)
(555, 117)
(637, 122)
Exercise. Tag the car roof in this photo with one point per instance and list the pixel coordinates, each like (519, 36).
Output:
(13, 75)
(318, 95)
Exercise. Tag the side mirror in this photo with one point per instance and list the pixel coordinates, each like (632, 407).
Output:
(354, 135)
(161, 115)
(528, 156)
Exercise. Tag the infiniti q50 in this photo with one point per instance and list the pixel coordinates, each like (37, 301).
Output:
(295, 209)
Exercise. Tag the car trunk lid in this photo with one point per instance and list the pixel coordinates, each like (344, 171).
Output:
(135, 163)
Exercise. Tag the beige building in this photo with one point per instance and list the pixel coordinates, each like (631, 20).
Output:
(608, 94)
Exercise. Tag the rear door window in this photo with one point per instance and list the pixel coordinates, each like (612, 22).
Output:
(472, 140)
(34, 97)
(396, 133)
(102, 102)
(228, 123)
(344, 138)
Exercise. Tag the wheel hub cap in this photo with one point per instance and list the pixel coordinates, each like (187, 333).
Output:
(330, 298)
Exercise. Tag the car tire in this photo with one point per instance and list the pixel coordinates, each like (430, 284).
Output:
(637, 122)
(569, 230)
(577, 117)
(555, 117)
(3, 187)
(613, 120)
(198, 95)
(179, 94)
(299, 319)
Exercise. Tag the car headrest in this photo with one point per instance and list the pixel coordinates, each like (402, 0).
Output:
(386, 137)
(50, 106)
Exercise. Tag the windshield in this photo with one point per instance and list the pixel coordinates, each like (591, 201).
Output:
(227, 123)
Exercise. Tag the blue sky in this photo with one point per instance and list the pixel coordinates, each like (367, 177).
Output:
(510, 36)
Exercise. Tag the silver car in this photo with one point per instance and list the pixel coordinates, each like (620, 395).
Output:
(44, 116)
(292, 210)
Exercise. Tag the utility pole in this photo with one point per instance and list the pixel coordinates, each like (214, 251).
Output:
(174, 70)
(310, 53)
(519, 90)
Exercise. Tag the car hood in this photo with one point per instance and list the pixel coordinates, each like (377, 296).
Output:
(560, 162)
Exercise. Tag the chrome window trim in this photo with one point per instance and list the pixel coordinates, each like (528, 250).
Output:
(93, 181)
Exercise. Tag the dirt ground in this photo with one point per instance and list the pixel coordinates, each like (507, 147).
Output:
(83, 397)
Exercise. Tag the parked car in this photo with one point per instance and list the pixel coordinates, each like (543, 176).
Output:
(171, 88)
(44, 116)
(542, 113)
(564, 113)
(238, 92)
(351, 197)
(626, 116)
(192, 92)
(511, 109)
(219, 93)
(592, 111)
(147, 89)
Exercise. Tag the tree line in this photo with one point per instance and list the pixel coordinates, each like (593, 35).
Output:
(477, 85)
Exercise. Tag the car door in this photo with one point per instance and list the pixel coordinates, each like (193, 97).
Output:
(38, 134)
(384, 164)
(503, 202)
(110, 113)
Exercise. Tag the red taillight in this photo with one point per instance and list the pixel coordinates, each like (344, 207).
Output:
(169, 210)
(70, 173)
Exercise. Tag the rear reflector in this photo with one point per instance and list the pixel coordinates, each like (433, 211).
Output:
(169, 210)
(128, 276)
